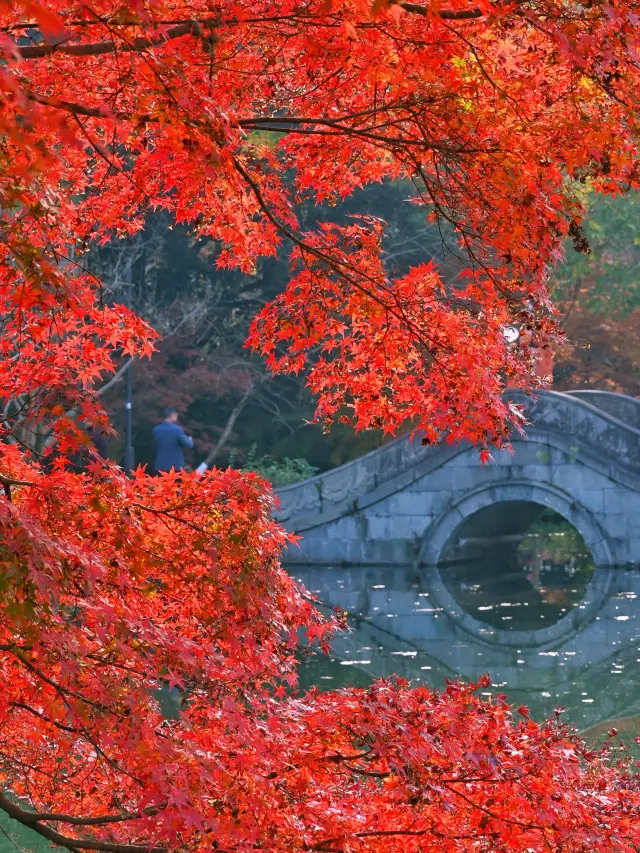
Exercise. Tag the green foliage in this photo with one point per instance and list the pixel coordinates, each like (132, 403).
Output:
(606, 280)
(280, 472)
(556, 543)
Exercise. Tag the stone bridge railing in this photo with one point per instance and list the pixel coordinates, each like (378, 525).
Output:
(619, 406)
(591, 426)
(341, 490)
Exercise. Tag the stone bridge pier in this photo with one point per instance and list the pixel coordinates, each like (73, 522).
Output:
(408, 505)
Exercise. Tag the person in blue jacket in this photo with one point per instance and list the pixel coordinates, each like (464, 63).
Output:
(170, 441)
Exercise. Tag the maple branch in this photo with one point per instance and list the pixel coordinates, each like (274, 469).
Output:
(101, 47)
(70, 107)
(340, 267)
(7, 482)
(338, 756)
(98, 820)
(194, 25)
(492, 815)
(374, 773)
(33, 821)
(445, 14)
(165, 513)
(63, 692)
(22, 706)
(303, 125)
(50, 438)
(322, 847)
(99, 20)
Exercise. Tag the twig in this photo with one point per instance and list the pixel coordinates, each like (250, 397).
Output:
(115, 378)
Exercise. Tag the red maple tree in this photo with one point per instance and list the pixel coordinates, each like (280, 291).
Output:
(113, 589)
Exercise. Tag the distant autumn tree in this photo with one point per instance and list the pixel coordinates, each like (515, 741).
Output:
(598, 298)
(114, 589)
(224, 393)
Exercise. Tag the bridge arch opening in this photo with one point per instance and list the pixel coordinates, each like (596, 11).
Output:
(545, 496)
(516, 565)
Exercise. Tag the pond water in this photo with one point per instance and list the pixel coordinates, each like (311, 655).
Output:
(551, 629)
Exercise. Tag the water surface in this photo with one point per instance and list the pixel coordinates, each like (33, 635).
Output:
(551, 629)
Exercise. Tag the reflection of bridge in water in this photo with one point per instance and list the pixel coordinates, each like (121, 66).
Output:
(373, 532)
(406, 622)
(404, 504)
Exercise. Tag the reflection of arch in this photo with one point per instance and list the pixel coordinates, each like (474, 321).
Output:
(400, 628)
(445, 527)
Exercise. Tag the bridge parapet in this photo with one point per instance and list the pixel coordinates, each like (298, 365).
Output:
(340, 490)
(619, 406)
(591, 427)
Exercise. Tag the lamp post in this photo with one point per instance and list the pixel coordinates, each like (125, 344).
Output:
(129, 452)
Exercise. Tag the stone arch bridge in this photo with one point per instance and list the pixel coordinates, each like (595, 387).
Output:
(408, 505)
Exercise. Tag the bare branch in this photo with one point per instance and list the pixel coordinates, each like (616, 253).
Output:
(445, 14)
(37, 51)
(233, 417)
(115, 378)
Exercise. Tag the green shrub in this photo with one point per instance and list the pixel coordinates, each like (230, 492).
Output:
(280, 472)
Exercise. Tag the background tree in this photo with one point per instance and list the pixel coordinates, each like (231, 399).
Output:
(202, 313)
(598, 297)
